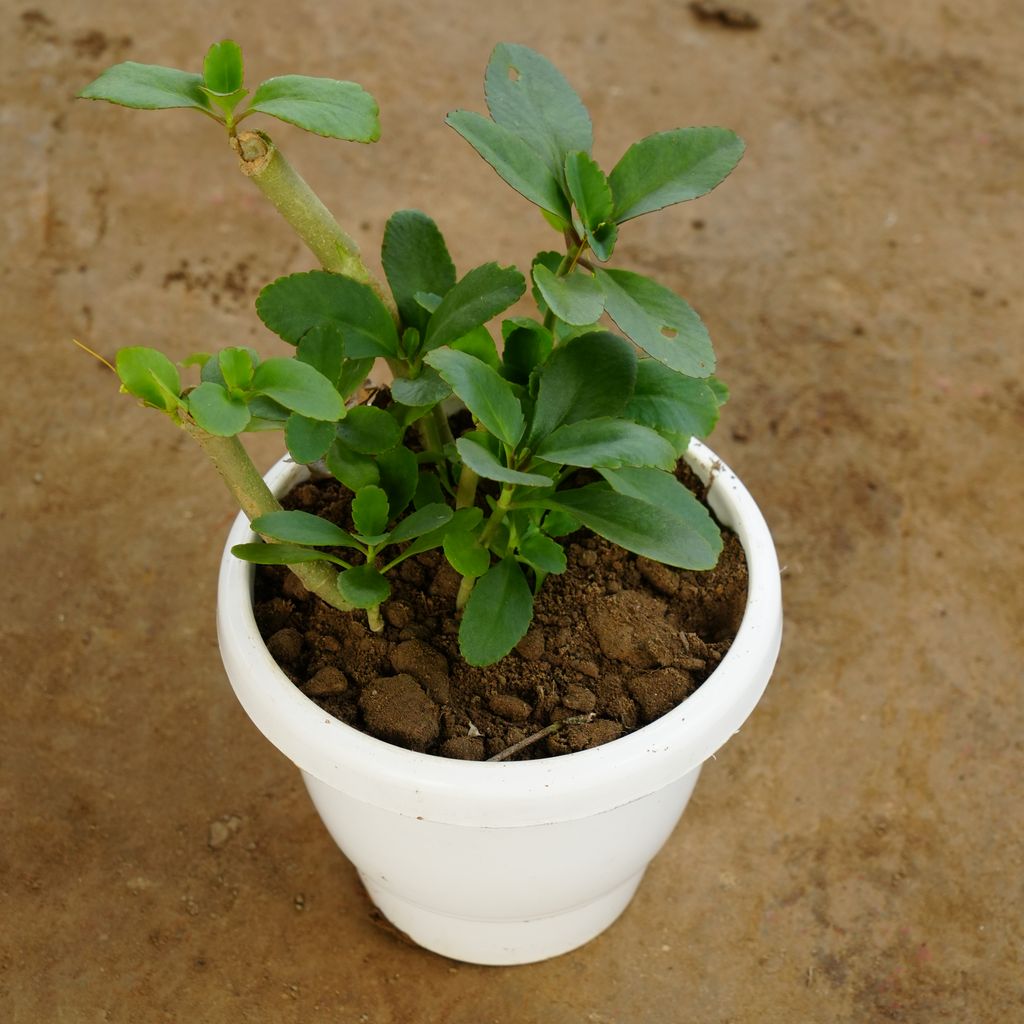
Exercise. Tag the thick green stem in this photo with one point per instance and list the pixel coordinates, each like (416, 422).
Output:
(465, 589)
(260, 160)
(249, 489)
(498, 515)
(465, 497)
(374, 620)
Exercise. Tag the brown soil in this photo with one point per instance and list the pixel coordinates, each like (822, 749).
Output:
(616, 642)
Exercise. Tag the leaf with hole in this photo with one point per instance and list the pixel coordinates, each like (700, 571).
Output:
(297, 527)
(363, 586)
(497, 614)
(488, 396)
(293, 305)
(659, 321)
(150, 376)
(217, 411)
(672, 167)
(577, 298)
(324, 106)
(482, 294)
(148, 87)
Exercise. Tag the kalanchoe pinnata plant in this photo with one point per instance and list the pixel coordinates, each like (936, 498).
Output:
(563, 393)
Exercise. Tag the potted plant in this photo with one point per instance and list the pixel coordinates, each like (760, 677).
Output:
(489, 462)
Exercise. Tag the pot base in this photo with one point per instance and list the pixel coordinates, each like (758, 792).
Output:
(503, 942)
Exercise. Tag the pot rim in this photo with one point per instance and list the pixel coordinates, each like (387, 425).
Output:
(512, 793)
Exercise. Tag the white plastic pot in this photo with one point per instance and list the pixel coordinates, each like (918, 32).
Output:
(508, 862)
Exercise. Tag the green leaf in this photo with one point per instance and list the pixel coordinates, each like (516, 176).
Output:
(370, 510)
(399, 475)
(423, 520)
(639, 526)
(463, 519)
(479, 343)
(577, 298)
(276, 554)
(149, 375)
(369, 430)
(268, 412)
(497, 614)
(560, 524)
(465, 555)
(216, 411)
(236, 367)
(148, 87)
(484, 464)
(530, 97)
(415, 259)
(527, 345)
(428, 490)
(324, 106)
(222, 68)
(426, 390)
(543, 553)
(515, 161)
(297, 386)
(323, 348)
(353, 375)
(553, 262)
(298, 527)
(363, 586)
(307, 440)
(351, 468)
(483, 293)
(677, 406)
(606, 442)
(659, 321)
(593, 198)
(488, 396)
(295, 304)
(585, 378)
(719, 389)
(671, 167)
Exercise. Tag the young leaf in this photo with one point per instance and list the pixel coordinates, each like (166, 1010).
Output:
(463, 519)
(298, 527)
(399, 475)
(484, 464)
(293, 305)
(149, 375)
(553, 261)
(479, 343)
(593, 199)
(542, 553)
(370, 511)
(560, 524)
(497, 614)
(527, 345)
(659, 321)
(222, 68)
(488, 396)
(148, 87)
(369, 430)
(426, 390)
(297, 386)
(671, 167)
(363, 586)
(415, 259)
(677, 406)
(585, 378)
(606, 442)
(464, 553)
(529, 96)
(307, 440)
(483, 293)
(353, 469)
(216, 411)
(638, 526)
(324, 106)
(423, 520)
(515, 161)
(276, 554)
(236, 367)
(577, 299)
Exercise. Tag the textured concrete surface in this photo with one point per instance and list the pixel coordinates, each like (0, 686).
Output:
(854, 855)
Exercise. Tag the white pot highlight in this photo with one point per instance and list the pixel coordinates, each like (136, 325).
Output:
(507, 862)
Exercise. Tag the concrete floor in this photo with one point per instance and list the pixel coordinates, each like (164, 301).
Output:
(854, 855)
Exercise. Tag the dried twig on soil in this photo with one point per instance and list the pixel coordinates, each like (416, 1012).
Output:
(550, 730)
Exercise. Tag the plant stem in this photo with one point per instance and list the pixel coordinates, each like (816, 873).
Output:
(250, 490)
(375, 622)
(550, 730)
(504, 500)
(465, 497)
(465, 589)
(261, 161)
